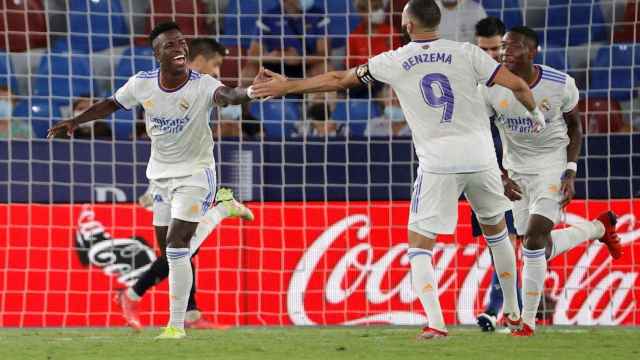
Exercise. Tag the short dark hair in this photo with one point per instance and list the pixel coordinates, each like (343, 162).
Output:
(160, 28)
(489, 27)
(528, 33)
(206, 47)
(426, 12)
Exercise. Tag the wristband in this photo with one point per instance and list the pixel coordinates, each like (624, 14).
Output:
(571, 165)
(250, 92)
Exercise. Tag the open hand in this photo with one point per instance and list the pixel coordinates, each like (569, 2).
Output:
(69, 126)
(275, 86)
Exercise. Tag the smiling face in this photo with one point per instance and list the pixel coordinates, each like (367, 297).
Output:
(516, 52)
(171, 50)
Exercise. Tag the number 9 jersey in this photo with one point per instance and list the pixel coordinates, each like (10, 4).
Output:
(436, 82)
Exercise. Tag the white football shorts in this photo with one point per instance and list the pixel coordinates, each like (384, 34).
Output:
(540, 195)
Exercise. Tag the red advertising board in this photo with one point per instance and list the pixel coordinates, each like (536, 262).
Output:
(297, 263)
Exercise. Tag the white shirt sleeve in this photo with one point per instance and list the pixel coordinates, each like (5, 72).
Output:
(484, 92)
(124, 96)
(382, 67)
(571, 95)
(209, 87)
(484, 67)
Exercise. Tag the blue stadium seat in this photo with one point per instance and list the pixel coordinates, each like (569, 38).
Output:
(6, 72)
(123, 124)
(132, 61)
(357, 114)
(344, 20)
(97, 24)
(612, 72)
(247, 12)
(278, 116)
(554, 57)
(40, 113)
(507, 10)
(578, 21)
(64, 74)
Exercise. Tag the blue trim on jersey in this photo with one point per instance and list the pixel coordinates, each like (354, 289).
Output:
(118, 103)
(176, 89)
(424, 41)
(539, 77)
(208, 201)
(554, 75)
(554, 80)
(493, 75)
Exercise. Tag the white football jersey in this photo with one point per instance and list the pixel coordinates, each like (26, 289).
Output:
(436, 83)
(526, 152)
(177, 121)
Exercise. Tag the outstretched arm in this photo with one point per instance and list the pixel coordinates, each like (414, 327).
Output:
(327, 82)
(97, 111)
(225, 95)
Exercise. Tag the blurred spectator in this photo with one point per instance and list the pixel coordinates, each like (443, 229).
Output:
(319, 125)
(10, 127)
(392, 122)
(459, 18)
(236, 122)
(489, 33)
(98, 130)
(602, 116)
(206, 56)
(373, 35)
(291, 30)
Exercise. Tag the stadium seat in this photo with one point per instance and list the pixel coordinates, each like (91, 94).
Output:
(278, 116)
(554, 57)
(7, 78)
(357, 114)
(507, 10)
(190, 15)
(23, 25)
(133, 60)
(612, 72)
(343, 21)
(64, 74)
(97, 25)
(40, 113)
(574, 22)
(239, 21)
(123, 124)
(624, 30)
(601, 116)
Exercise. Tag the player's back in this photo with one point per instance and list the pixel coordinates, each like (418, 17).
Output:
(436, 83)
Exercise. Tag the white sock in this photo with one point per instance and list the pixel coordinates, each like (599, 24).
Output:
(425, 285)
(504, 261)
(534, 272)
(563, 240)
(211, 219)
(132, 295)
(180, 281)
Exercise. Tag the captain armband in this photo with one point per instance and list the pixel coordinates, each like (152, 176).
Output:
(363, 74)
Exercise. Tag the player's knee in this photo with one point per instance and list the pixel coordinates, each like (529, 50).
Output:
(423, 240)
(491, 220)
(536, 238)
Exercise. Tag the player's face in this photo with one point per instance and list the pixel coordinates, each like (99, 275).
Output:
(490, 45)
(171, 51)
(514, 52)
(210, 66)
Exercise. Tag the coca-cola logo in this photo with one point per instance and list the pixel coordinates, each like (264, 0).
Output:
(373, 285)
(123, 258)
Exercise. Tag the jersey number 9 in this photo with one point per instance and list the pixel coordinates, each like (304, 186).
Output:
(440, 97)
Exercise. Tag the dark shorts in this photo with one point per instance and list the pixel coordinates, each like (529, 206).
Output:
(475, 226)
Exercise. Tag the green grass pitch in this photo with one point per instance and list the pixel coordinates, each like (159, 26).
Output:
(558, 343)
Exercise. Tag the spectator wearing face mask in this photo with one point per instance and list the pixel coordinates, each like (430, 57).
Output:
(10, 127)
(373, 35)
(458, 19)
(392, 122)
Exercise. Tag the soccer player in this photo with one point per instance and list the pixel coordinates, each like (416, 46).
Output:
(436, 82)
(205, 56)
(489, 32)
(542, 167)
(181, 168)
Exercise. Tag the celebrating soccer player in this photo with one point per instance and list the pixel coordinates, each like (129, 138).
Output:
(542, 167)
(181, 169)
(436, 82)
(205, 56)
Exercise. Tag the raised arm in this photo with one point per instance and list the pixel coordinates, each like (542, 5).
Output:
(99, 110)
(327, 82)
(519, 87)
